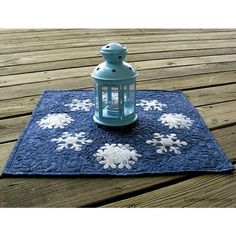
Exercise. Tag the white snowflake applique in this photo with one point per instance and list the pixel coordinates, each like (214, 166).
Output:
(164, 143)
(178, 121)
(117, 156)
(71, 141)
(151, 105)
(76, 105)
(55, 120)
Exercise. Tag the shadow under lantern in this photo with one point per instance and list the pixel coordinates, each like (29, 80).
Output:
(114, 88)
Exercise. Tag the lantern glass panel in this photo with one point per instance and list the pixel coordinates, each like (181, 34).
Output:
(110, 100)
(96, 98)
(129, 99)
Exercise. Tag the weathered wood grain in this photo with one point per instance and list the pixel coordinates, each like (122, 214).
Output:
(201, 191)
(98, 33)
(10, 31)
(73, 192)
(212, 95)
(5, 150)
(11, 128)
(93, 61)
(153, 70)
(82, 72)
(17, 106)
(7, 47)
(85, 52)
(65, 32)
(218, 115)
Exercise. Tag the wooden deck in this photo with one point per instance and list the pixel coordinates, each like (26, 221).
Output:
(202, 63)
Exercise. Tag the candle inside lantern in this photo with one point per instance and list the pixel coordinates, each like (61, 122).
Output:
(111, 100)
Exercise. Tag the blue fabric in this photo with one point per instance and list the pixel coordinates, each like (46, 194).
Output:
(36, 153)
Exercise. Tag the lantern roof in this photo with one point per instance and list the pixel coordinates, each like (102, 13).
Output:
(114, 68)
(114, 48)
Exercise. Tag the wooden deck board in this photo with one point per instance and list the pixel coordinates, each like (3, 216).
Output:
(202, 191)
(200, 62)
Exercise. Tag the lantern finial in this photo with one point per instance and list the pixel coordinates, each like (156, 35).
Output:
(114, 52)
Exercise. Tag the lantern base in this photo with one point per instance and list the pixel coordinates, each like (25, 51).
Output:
(115, 124)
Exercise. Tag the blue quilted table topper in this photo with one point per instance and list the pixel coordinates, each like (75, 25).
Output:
(169, 136)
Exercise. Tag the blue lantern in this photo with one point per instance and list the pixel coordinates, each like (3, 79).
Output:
(114, 88)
